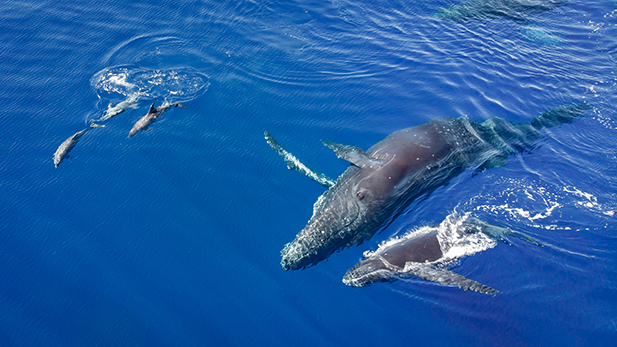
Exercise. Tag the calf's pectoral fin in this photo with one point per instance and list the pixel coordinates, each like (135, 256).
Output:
(352, 154)
(434, 274)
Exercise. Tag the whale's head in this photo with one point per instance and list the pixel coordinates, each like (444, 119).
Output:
(369, 271)
(348, 213)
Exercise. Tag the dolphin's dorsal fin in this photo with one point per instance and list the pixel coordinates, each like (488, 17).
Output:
(434, 274)
(152, 109)
(352, 154)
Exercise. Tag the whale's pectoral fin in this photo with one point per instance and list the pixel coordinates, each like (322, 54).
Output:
(352, 154)
(434, 274)
(294, 163)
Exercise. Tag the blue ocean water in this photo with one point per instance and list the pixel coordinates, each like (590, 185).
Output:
(173, 237)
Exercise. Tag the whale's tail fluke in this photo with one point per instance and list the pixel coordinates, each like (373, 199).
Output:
(559, 115)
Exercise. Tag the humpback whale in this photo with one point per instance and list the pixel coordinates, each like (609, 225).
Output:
(153, 113)
(518, 10)
(68, 144)
(424, 253)
(382, 182)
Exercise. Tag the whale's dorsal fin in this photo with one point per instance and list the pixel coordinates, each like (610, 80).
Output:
(152, 109)
(352, 154)
(434, 274)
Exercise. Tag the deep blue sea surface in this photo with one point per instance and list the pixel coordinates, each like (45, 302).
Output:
(173, 237)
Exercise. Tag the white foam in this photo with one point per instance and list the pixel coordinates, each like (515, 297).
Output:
(454, 240)
(184, 82)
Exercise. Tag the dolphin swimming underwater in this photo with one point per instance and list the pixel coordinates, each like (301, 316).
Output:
(68, 144)
(112, 111)
(383, 181)
(144, 122)
(424, 252)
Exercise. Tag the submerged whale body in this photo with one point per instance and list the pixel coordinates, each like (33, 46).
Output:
(518, 10)
(424, 252)
(381, 182)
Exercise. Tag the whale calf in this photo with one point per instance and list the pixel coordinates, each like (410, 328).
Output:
(153, 113)
(68, 144)
(383, 181)
(424, 252)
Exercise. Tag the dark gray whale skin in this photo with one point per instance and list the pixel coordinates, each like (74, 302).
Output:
(153, 113)
(416, 256)
(381, 182)
(517, 10)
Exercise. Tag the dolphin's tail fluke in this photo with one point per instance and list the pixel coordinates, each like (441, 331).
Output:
(94, 125)
(559, 115)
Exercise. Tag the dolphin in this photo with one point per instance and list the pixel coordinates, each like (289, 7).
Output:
(68, 144)
(409, 163)
(144, 122)
(424, 252)
(112, 111)
(517, 10)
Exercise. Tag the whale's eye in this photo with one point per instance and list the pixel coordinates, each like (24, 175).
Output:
(360, 194)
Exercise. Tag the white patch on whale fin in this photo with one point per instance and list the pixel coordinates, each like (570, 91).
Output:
(152, 109)
(352, 154)
(434, 274)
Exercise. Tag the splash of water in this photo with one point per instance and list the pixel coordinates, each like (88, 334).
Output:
(180, 84)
